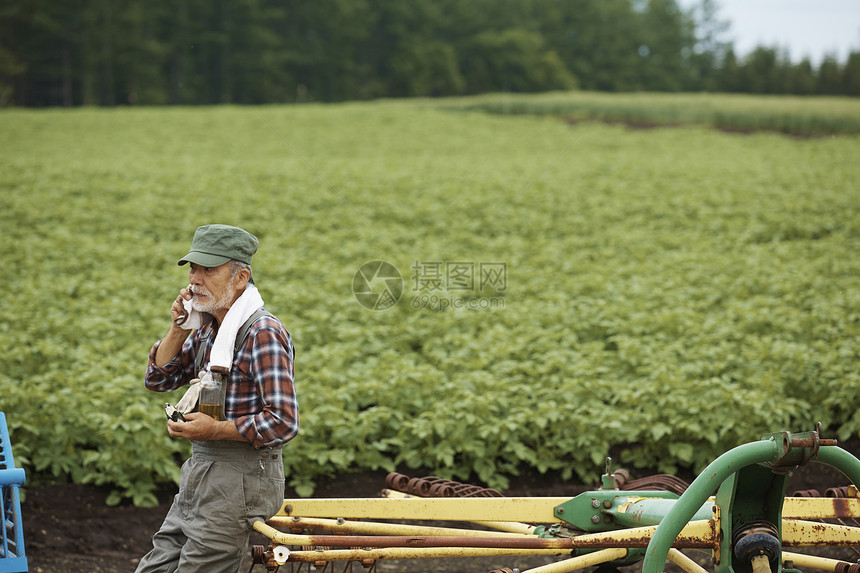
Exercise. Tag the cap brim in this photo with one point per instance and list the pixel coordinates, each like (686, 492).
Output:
(203, 259)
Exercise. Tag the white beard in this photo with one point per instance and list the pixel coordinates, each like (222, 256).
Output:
(211, 305)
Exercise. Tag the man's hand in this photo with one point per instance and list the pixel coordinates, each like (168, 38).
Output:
(172, 342)
(177, 309)
(200, 427)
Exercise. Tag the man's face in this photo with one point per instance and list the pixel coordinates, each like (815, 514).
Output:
(212, 286)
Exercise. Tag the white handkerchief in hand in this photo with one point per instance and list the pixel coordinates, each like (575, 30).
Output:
(193, 318)
(188, 401)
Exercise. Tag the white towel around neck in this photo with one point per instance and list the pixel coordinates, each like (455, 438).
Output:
(239, 312)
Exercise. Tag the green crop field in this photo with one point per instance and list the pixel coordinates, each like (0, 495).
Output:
(568, 290)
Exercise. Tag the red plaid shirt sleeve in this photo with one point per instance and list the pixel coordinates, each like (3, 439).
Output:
(262, 397)
(179, 370)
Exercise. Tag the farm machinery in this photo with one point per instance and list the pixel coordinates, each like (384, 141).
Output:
(733, 518)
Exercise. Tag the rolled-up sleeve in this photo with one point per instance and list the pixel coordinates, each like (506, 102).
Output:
(177, 372)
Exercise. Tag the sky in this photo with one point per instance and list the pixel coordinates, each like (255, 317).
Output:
(807, 28)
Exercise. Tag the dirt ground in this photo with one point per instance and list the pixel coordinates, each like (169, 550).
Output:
(69, 529)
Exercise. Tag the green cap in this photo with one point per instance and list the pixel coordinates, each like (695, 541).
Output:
(214, 245)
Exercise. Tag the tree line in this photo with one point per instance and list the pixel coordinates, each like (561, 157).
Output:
(189, 52)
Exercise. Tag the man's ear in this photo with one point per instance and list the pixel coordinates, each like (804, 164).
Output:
(242, 278)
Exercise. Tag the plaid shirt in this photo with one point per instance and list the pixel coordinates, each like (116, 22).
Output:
(261, 398)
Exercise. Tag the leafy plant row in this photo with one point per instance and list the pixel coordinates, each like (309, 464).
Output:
(670, 293)
(798, 116)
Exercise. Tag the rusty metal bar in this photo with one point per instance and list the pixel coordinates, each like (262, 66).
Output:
(821, 508)
(697, 534)
(700, 534)
(812, 561)
(811, 443)
(422, 541)
(797, 533)
(390, 553)
(581, 562)
(341, 526)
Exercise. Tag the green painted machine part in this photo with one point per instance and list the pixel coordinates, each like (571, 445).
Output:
(750, 502)
(608, 510)
(751, 483)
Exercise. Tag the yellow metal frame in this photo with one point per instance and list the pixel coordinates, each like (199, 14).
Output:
(821, 508)
(519, 509)
(508, 509)
(510, 535)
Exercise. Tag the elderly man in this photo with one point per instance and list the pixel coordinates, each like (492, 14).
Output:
(235, 475)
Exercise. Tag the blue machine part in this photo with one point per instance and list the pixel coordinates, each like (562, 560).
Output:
(12, 556)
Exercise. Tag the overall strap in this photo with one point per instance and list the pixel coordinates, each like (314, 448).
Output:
(242, 335)
(200, 359)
